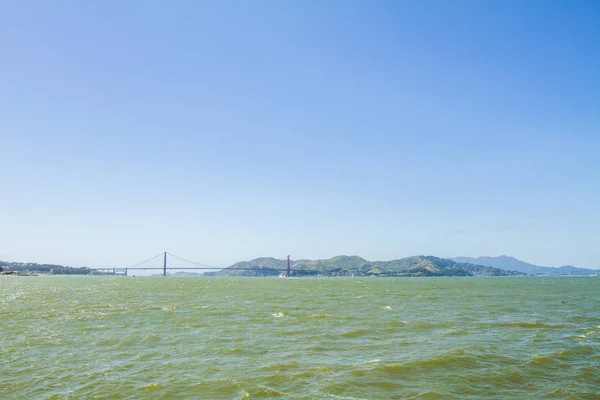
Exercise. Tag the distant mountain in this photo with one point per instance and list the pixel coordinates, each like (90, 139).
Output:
(511, 263)
(187, 274)
(357, 266)
(352, 266)
(265, 266)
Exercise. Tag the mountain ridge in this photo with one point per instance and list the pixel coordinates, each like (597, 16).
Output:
(508, 262)
(344, 265)
(357, 266)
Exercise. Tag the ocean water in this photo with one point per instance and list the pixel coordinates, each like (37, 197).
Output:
(306, 338)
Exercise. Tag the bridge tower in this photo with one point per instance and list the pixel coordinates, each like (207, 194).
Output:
(165, 264)
(289, 267)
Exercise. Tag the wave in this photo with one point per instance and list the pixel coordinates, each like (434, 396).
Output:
(355, 333)
(525, 324)
(320, 316)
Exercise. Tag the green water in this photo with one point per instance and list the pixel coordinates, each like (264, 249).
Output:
(367, 338)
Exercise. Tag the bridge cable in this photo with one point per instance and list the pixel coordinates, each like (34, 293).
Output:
(193, 262)
(150, 259)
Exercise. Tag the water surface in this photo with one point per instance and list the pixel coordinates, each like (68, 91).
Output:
(308, 338)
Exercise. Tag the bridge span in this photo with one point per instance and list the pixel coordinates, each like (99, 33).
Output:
(196, 266)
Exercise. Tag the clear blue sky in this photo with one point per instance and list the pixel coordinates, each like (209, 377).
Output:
(227, 130)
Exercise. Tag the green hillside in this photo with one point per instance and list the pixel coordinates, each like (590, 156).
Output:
(357, 266)
(265, 266)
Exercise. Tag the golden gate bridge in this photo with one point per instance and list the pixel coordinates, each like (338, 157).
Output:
(197, 266)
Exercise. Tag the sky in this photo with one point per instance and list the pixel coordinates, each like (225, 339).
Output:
(223, 130)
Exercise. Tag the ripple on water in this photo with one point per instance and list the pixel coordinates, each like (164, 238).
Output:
(527, 324)
(95, 337)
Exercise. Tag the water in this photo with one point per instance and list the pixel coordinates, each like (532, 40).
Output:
(361, 338)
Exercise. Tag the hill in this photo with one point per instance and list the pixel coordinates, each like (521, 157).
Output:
(357, 266)
(511, 263)
(265, 266)
(44, 268)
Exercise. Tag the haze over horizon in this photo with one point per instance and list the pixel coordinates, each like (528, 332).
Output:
(225, 131)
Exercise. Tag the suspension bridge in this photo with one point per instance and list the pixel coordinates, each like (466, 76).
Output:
(144, 266)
